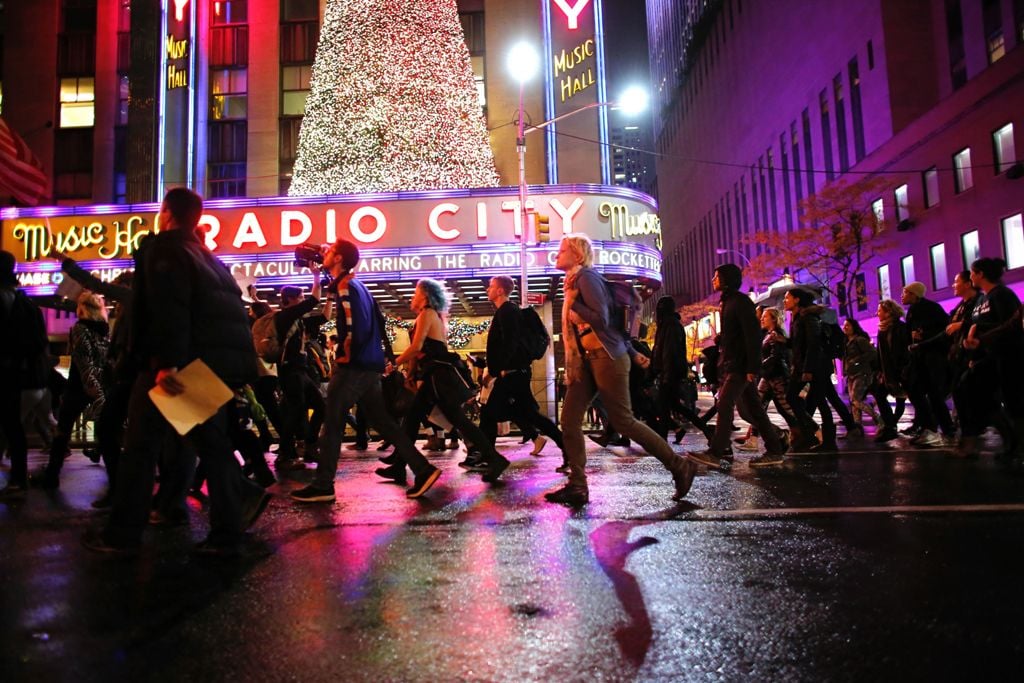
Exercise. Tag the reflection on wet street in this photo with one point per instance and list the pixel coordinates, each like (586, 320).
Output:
(880, 563)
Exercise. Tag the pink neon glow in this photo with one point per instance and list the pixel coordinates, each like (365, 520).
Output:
(572, 12)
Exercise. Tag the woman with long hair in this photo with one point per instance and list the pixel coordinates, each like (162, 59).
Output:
(776, 367)
(860, 359)
(442, 379)
(893, 356)
(88, 376)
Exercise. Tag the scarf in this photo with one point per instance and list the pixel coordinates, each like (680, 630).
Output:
(573, 359)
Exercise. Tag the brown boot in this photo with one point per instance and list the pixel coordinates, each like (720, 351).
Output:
(683, 473)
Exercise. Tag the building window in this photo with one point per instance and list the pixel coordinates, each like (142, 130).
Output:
(970, 249)
(72, 163)
(227, 159)
(123, 93)
(229, 12)
(907, 269)
(837, 92)
(77, 102)
(805, 119)
(940, 277)
(871, 55)
(962, 170)
(955, 41)
(826, 134)
(884, 286)
(992, 19)
(930, 180)
(878, 208)
(298, 42)
(900, 200)
(228, 98)
(1013, 241)
(1003, 148)
(294, 89)
(299, 10)
(78, 16)
(855, 110)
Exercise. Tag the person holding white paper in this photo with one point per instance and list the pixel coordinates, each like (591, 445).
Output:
(187, 306)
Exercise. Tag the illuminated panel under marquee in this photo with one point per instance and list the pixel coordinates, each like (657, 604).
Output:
(446, 234)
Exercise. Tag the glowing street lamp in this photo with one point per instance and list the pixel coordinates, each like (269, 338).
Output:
(523, 63)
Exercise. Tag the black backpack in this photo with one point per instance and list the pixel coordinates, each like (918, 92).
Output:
(534, 336)
(833, 341)
(626, 304)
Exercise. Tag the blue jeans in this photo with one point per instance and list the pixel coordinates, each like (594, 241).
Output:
(347, 387)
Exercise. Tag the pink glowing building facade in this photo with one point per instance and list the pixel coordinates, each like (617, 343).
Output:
(758, 104)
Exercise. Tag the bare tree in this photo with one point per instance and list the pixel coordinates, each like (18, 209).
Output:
(839, 234)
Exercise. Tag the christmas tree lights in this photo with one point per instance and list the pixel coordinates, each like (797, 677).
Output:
(393, 104)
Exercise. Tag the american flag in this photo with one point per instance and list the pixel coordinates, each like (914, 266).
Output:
(21, 174)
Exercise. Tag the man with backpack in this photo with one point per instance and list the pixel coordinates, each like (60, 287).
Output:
(510, 344)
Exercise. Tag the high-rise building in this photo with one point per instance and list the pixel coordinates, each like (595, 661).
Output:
(761, 104)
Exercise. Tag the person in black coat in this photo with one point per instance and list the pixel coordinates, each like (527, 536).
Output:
(670, 370)
(186, 306)
(739, 363)
(927, 372)
(811, 369)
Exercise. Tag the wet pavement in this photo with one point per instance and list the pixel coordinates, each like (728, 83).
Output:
(879, 563)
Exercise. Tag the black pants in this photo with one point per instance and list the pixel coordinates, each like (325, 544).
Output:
(299, 394)
(815, 400)
(512, 399)
(737, 393)
(144, 442)
(110, 427)
(10, 421)
(421, 406)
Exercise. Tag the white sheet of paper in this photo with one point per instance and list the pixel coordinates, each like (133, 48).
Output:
(204, 394)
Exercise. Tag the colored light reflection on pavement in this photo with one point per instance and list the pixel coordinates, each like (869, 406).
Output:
(483, 583)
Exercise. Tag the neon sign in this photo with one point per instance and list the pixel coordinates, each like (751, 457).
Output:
(179, 9)
(177, 67)
(572, 12)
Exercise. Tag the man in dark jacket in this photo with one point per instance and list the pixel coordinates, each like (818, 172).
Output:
(511, 397)
(669, 368)
(186, 306)
(359, 362)
(22, 341)
(928, 369)
(739, 363)
(811, 369)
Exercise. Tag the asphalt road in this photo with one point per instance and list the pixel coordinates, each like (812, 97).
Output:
(876, 564)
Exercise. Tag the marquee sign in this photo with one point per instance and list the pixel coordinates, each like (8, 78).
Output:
(442, 233)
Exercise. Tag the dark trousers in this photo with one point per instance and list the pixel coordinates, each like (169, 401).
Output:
(512, 399)
(885, 413)
(110, 427)
(265, 390)
(737, 393)
(928, 396)
(834, 400)
(815, 400)
(72, 404)
(421, 406)
(298, 394)
(144, 442)
(10, 421)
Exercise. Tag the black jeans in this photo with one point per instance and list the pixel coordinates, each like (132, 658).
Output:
(512, 399)
(298, 394)
(144, 443)
(737, 393)
(421, 406)
(815, 400)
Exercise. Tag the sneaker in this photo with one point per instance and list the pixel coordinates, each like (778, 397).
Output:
(357, 446)
(423, 483)
(750, 445)
(434, 444)
(928, 439)
(912, 430)
(93, 540)
(495, 469)
(396, 473)
(93, 454)
(538, 445)
(573, 496)
(313, 494)
(472, 460)
(784, 439)
(707, 458)
(289, 465)
(767, 460)
(886, 434)
(602, 440)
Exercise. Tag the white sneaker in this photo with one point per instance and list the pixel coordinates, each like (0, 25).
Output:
(929, 439)
(538, 445)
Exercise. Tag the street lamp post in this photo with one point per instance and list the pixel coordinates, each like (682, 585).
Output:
(523, 63)
(739, 253)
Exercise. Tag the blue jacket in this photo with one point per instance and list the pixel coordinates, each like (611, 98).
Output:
(362, 346)
(594, 305)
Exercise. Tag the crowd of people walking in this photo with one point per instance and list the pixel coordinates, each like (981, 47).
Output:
(181, 304)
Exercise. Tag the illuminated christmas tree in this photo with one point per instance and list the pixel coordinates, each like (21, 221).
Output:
(393, 104)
